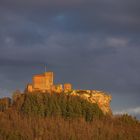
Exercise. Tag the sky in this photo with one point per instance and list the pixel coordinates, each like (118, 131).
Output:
(93, 44)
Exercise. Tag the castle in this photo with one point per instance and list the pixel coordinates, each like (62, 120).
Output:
(45, 83)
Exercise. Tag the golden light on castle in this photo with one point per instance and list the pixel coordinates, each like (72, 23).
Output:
(45, 83)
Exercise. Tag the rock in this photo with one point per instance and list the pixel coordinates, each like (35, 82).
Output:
(93, 96)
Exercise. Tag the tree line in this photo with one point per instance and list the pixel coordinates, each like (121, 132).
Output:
(65, 105)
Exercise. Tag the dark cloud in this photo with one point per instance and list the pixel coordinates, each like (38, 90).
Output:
(78, 15)
(92, 44)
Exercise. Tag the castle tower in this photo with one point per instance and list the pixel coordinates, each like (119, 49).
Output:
(29, 88)
(43, 81)
(38, 82)
(48, 80)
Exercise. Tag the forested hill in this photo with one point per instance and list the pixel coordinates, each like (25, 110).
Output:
(44, 116)
(65, 105)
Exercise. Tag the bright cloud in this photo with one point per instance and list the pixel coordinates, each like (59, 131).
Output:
(132, 111)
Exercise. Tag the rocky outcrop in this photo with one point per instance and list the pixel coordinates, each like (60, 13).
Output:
(101, 98)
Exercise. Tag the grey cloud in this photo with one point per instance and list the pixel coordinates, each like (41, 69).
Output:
(132, 111)
(84, 16)
(113, 64)
(92, 44)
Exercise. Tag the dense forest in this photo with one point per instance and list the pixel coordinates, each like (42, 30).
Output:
(44, 116)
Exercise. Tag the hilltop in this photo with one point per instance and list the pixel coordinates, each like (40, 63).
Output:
(45, 83)
(48, 111)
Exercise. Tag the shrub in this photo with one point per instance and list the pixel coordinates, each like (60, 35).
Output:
(60, 105)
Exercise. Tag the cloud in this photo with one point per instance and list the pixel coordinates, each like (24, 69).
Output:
(131, 111)
(111, 68)
(92, 44)
(117, 42)
(78, 16)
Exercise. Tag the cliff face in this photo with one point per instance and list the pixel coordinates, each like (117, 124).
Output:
(101, 98)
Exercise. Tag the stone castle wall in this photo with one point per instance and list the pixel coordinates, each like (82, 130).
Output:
(45, 82)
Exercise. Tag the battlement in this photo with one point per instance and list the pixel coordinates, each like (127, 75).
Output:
(67, 87)
(45, 82)
(57, 88)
